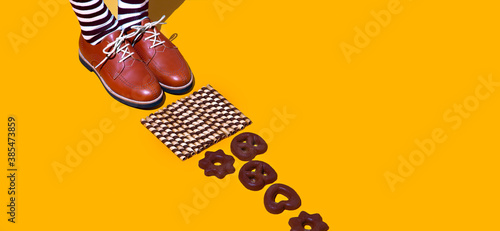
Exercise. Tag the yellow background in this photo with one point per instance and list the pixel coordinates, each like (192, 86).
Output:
(352, 120)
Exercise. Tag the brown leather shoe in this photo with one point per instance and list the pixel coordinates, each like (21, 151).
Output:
(121, 71)
(162, 57)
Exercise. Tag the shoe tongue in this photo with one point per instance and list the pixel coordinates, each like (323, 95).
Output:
(145, 20)
(113, 35)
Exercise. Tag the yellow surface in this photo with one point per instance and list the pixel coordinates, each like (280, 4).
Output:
(356, 112)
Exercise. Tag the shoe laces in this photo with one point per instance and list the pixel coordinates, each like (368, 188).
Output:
(117, 46)
(153, 37)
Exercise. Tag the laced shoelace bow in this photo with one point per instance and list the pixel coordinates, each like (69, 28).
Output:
(116, 47)
(153, 37)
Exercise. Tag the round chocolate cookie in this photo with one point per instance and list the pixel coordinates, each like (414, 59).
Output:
(274, 207)
(247, 145)
(217, 164)
(315, 221)
(255, 174)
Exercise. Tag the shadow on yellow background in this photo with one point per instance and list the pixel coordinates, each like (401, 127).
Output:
(157, 8)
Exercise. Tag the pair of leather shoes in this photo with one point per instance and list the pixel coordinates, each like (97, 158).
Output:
(136, 67)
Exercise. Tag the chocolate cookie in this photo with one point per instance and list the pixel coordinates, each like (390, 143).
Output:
(247, 145)
(254, 175)
(274, 207)
(315, 221)
(217, 164)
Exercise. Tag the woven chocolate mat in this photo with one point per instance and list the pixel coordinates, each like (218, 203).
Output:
(195, 122)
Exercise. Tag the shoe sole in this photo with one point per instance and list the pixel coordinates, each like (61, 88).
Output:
(179, 90)
(116, 96)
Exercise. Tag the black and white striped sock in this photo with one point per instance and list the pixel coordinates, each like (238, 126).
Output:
(96, 21)
(131, 12)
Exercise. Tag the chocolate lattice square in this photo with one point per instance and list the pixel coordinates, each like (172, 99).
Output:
(194, 123)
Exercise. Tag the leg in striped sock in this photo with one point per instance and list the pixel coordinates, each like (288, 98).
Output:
(96, 21)
(131, 12)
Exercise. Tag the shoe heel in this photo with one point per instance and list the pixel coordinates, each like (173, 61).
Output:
(85, 64)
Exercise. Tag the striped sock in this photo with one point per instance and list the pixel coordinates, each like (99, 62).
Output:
(131, 12)
(96, 21)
